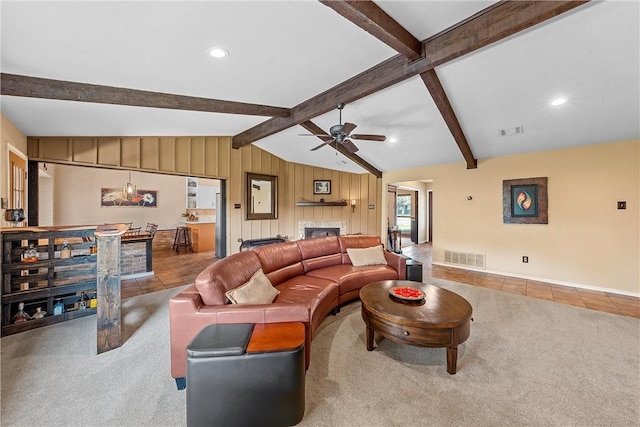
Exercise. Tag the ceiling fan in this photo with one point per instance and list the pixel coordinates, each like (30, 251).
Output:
(341, 134)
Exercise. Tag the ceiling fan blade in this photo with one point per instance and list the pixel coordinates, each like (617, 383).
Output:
(322, 145)
(347, 128)
(319, 135)
(380, 138)
(350, 146)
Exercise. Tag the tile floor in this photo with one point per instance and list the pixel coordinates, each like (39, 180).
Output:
(173, 270)
(594, 300)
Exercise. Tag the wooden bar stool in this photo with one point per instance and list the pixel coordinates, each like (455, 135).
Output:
(182, 239)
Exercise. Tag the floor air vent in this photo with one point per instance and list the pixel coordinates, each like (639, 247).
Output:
(464, 258)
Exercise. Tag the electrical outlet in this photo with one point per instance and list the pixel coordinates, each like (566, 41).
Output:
(525, 259)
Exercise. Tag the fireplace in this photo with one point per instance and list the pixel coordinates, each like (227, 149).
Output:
(310, 232)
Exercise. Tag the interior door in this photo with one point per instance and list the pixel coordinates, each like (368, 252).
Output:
(430, 213)
(414, 217)
(221, 220)
(17, 181)
(391, 211)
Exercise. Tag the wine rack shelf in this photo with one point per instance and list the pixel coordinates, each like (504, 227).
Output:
(49, 280)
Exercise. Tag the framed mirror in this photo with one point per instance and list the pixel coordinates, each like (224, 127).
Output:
(261, 194)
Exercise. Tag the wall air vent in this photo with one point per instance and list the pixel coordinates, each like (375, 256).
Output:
(465, 258)
(512, 131)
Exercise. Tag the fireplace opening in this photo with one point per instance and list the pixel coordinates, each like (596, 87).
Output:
(311, 232)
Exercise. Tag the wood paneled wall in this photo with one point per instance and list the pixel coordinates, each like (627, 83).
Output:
(213, 157)
(206, 157)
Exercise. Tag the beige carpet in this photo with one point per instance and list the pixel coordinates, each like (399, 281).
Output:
(527, 362)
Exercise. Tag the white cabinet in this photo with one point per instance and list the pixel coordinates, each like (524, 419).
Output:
(200, 196)
(206, 197)
(192, 193)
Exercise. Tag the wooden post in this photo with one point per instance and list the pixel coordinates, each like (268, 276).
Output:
(108, 283)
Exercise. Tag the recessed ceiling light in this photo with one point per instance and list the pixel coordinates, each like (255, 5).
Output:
(218, 52)
(393, 139)
(558, 101)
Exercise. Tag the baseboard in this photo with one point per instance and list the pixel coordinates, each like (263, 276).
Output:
(137, 275)
(541, 279)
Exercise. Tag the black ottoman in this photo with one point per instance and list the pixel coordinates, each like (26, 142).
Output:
(246, 375)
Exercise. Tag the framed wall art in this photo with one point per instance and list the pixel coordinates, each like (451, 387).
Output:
(321, 186)
(524, 201)
(115, 197)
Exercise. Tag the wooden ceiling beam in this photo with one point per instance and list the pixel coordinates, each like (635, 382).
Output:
(494, 23)
(371, 18)
(431, 80)
(317, 130)
(35, 87)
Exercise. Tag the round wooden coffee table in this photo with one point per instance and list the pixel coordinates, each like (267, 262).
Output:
(441, 319)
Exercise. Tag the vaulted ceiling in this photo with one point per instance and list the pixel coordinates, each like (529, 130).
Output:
(441, 79)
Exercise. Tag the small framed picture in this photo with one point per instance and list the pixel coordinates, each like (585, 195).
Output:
(321, 187)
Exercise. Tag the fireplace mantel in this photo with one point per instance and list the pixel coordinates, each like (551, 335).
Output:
(338, 203)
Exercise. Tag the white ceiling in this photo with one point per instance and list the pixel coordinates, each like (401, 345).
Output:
(283, 53)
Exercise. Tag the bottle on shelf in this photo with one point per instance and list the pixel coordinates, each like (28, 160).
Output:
(21, 316)
(30, 254)
(82, 304)
(93, 300)
(39, 314)
(58, 307)
(65, 251)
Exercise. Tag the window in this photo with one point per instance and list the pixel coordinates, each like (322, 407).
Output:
(17, 181)
(403, 210)
(404, 205)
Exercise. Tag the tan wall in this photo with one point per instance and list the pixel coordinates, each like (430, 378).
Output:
(588, 241)
(10, 135)
(76, 197)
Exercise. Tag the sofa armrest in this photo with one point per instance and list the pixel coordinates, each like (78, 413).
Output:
(398, 263)
(188, 316)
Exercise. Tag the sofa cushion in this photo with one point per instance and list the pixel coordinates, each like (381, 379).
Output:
(280, 261)
(258, 290)
(320, 252)
(228, 273)
(358, 241)
(305, 289)
(351, 278)
(367, 256)
(318, 246)
(320, 295)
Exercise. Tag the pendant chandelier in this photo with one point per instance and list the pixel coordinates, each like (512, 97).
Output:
(128, 190)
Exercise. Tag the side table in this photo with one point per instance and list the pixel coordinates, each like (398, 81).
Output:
(414, 270)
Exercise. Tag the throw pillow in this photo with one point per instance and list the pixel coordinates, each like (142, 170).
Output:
(367, 256)
(257, 290)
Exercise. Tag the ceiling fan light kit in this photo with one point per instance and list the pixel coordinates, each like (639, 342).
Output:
(341, 134)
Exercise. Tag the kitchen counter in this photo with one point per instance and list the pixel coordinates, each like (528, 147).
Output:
(47, 228)
(203, 235)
